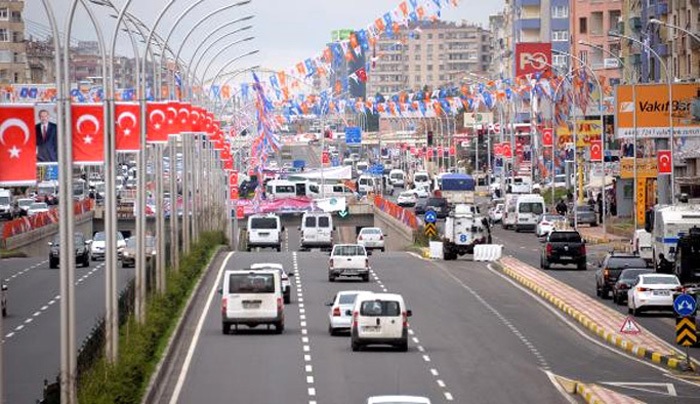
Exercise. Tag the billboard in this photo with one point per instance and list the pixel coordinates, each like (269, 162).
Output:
(587, 130)
(341, 34)
(652, 110)
(532, 57)
(477, 118)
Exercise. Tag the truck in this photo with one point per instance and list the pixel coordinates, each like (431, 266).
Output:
(464, 228)
(457, 188)
(666, 224)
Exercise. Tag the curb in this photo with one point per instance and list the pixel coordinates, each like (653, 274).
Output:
(166, 358)
(576, 387)
(608, 337)
(425, 252)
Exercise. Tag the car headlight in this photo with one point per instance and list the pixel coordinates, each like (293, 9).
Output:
(126, 253)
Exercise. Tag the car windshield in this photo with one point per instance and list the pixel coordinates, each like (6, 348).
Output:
(347, 298)
(40, 205)
(377, 308)
(531, 207)
(99, 236)
(349, 250)
(630, 274)
(565, 237)
(436, 202)
(407, 194)
(77, 239)
(324, 221)
(251, 283)
(263, 223)
(131, 242)
(25, 202)
(584, 209)
(659, 280)
(421, 178)
(551, 218)
(626, 262)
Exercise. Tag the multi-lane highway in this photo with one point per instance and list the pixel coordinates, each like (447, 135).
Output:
(31, 328)
(475, 337)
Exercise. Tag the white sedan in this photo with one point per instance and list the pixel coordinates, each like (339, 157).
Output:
(36, 208)
(372, 238)
(496, 214)
(652, 292)
(422, 192)
(338, 318)
(407, 198)
(547, 223)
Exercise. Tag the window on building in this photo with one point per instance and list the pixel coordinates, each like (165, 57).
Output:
(418, 79)
(4, 14)
(4, 35)
(16, 16)
(583, 25)
(5, 56)
(430, 68)
(416, 48)
(430, 48)
(15, 78)
(442, 77)
(430, 36)
(559, 60)
(441, 47)
(560, 36)
(417, 56)
(429, 78)
(441, 36)
(17, 36)
(560, 12)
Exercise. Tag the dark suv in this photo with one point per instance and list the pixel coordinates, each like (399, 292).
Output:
(439, 205)
(610, 269)
(564, 247)
(82, 250)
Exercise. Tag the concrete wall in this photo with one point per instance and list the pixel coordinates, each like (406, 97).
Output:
(398, 235)
(35, 243)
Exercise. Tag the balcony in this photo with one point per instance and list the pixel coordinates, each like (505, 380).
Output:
(529, 23)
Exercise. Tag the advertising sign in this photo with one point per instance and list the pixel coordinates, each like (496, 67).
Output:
(532, 57)
(477, 118)
(652, 110)
(646, 168)
(587, 130)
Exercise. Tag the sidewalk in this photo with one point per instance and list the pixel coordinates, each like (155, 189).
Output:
(599, 319)
(595, 235)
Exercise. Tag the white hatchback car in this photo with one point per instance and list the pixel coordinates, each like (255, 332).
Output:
(372, 238)
(379, 319)
(547, 223)
(340, 313)
(407, 198)
(422, 191)
(652, 292)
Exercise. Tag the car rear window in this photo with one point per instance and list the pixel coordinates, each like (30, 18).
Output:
(370, 231)
(349, 250)
(263, 223)
(565, 237)
(626, 262)
(324, 221)
(532, 207)
(251, 283)
(659, 280)
(347, 298)
(436, 202)
(380, 308)
(633, 273)
(310, 221)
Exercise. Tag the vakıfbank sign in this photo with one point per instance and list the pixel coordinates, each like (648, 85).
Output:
(652, 109)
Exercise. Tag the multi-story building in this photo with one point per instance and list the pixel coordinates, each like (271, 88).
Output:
(342, 70)
(41, 62)
(543, 21)
(13, 63)
(429, 54)
(685, 51)
(591, 21)
(502, 45)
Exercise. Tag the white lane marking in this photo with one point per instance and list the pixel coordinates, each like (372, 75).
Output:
(9, 335)
(305, 340)
(19, 327)
(307, 358)
(306, 348)
(44, 308)
(310, 379)
(421, 349)
(29, 320)
(308, 368)
(448, 396)
(302, 317)
(426, 358)
(302, 311)
(193, 345)
(312, 391)
(434, 372)
(440, 383)
(303, 323)
(415, 340)
(37, 313)
(303, 331)
(25, 270)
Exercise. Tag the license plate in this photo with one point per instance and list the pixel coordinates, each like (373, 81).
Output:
(371, 328)
(661, 293)
(564, 258)
(251, 305)
(264, 234)
(350, 272)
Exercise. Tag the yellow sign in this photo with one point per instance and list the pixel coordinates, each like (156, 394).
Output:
(586, 130)
(430, 230)
(646, 168)
(641, 206)
(685, 331)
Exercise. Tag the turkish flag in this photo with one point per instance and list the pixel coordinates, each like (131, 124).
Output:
(173, 119)
(664, 160)
(183, 114)
(228, 164)
(498, 150)
(17, 145)
(208, 122)
(157, 125)
(240, 212)
(506, 149)
(547, 136)
(452, 151)
(430, 152)
(196, 120)
(88, 133)
(233, 191)
(596, 150)
(219, 140)
(127, 126)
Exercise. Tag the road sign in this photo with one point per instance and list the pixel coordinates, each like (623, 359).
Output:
(684, 305)
(353, 135)
(430, 216)
(430, 230)
(344, 213)
(376, 169)
(686, 331)
(335, 162)
(629, 326)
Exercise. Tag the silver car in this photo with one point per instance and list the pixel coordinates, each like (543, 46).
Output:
(339, 317)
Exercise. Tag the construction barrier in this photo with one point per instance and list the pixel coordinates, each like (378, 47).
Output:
(405, 216)
(488, 252)
(28, 223)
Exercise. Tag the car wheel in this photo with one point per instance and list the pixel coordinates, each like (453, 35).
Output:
(86, 261)
(4, 311)
(383, 250)
(403, 346)
(545, 264)
(355, 345)
(331, 331)
(581, 266)
(365, 278)
(331, 278)
(279, 249)
(225, 328)
(604, 292)
(53, 264)
(279, 327)
(287, 298)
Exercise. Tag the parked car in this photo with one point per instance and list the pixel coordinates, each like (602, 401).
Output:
(348, 260)
(439, 205)
(36, 208)
(379, 319)
(652, 292)
(340, 313)
(547, 223)
(585, 215)
(407, 199)
(628, 277)
(284, 276)
(564, 247)
(82, 250)
(610, 269)
(128, 256)
(372, 238)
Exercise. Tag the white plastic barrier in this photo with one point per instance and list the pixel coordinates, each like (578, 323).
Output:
(436, 250)
(487, 252)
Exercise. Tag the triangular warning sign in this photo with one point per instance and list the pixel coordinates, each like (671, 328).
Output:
(629, 326)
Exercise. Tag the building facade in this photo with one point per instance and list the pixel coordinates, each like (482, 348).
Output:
(13, 50)
(542, 21)
(591, 21)
(429, 54)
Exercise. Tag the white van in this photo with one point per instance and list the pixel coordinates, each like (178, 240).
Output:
(641, 245)
(361, 167)
(367, 184)
(290, 189)
(336, 190)
(264, 231)
(397, 178)
(316, 231)
(379, 319)
(251, 298)
(421, 179)
(528, 209)
(509, 214)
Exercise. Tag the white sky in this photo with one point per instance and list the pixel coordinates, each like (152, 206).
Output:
(286, 31)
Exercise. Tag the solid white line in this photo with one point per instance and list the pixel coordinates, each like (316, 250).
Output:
(198, 331)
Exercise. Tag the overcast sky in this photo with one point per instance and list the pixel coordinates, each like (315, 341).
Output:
(286, 31)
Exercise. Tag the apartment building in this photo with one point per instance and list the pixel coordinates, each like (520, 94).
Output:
(13, 63)
(543, 21)
(429, 54)
(591, 21)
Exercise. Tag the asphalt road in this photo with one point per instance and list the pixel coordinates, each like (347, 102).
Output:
(31, 331)
(475, 338)
(527, 248)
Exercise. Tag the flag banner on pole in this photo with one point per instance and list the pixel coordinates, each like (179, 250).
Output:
(157, 124)
(663, 158)
(596, 150)
(17, 145)
(196, 118)
(127, 126)
(88, 133)
(184, 114)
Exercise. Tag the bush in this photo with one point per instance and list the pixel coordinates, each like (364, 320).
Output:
(141, 345)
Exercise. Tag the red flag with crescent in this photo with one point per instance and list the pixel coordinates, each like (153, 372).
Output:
(547, 136)
(506, 150)
(663, 158)
(596, 150)
(88, 133)
(17, 145)
(184, 113)
(127, 126)
(196, 118)
(157, 122)
(173, 115)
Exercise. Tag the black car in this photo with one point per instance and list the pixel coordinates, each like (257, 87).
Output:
(439, 205)
(627, 278)
(610, 269)
(82, 250)
(419, 209)
(564, 247)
